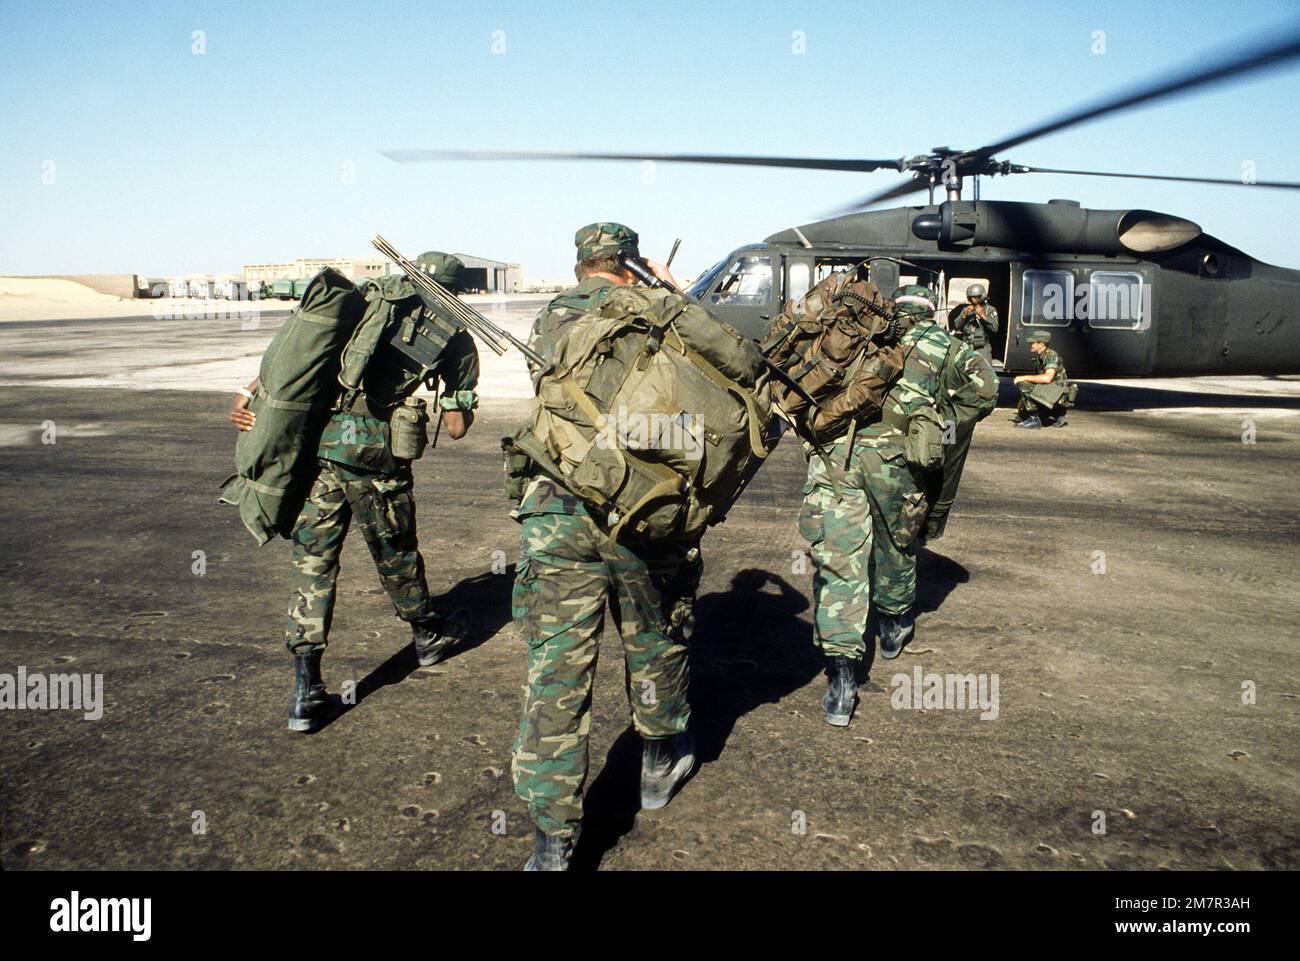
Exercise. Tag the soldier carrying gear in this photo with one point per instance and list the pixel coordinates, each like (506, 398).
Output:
(977, 322)
(863, 534)
(1046, 394)
(569, 570)
(363, 470)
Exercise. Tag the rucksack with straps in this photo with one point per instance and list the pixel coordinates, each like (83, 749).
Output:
(398, 313)
(652, 412)
(838, 345)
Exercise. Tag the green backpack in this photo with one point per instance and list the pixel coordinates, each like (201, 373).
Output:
(298, 386)
(968, 392)
(652, 412)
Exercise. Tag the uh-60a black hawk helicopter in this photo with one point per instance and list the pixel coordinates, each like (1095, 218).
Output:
(1124, 292)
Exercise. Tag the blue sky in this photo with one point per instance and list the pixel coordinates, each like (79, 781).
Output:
(265, 146)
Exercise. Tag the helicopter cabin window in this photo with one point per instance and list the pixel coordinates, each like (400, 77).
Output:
(747, 282)
(1047, 298)
(1117, 300)
(798, 278)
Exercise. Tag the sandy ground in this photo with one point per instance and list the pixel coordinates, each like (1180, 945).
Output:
(1128, 580)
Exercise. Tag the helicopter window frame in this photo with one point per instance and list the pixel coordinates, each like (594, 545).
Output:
(736, 275)
(1132, 279)
(1031, 298)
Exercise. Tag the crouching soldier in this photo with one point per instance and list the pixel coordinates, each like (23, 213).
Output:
(1046, 394)
(364, 473)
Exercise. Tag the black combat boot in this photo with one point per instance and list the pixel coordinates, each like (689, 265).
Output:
(666, 763)
(841, 695)
(895, 631)
(311, 705)
(435, 635)
(552, 853)
(1029, 423)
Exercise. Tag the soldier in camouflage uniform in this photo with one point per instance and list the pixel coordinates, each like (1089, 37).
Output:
(863, 536)
(977, 322)
(359, 477)
(970, 381)
(1044, 394)
(568, 572)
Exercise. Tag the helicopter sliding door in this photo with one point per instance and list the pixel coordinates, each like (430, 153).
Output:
(1099, 315)
(950, 279)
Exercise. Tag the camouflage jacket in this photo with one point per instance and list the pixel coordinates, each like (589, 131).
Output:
(359, 440)
(969, 327)
(1050, 359)
(543, 495)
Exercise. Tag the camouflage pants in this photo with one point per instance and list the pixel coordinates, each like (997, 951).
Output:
(568, 572)
(862, 541)
(385, 511)
(1045, 400)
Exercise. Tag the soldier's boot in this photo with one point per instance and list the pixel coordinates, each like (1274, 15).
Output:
(1029, 423)
(666, 763)
(311, 706)
(552, 852)
(1059, 421)
(841, 695)
(436, 635)
(895, 631)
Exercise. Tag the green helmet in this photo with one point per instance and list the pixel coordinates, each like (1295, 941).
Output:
(443, 268)
(914, 303)
(605, 237)
(976, 290)
(1040, 336)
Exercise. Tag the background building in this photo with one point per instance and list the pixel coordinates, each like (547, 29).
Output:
(490, 276)
(481, 274)
(304, 268)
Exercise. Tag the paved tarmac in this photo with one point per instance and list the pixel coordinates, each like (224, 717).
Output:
(1129, 581)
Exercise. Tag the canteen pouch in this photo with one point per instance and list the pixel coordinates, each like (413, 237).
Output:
(923, 446)
(408, 427)
(518, 469)
(1071, 395)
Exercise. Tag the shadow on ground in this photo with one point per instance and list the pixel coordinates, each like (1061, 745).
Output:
(486, 597)
(1138, 396)
(749, 647)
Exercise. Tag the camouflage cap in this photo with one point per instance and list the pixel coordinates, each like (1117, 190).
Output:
(605, 238)
(1040, 336)
(444, 268)
(914, 301)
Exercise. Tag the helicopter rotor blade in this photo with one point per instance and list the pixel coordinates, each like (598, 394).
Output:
(1227, 182)
(900, 189)
(802, 163)
(1257, 58)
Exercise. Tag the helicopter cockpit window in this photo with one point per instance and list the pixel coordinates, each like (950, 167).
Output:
(1117, 300)
(1047, 298)
(705, 281)
(747, 282)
